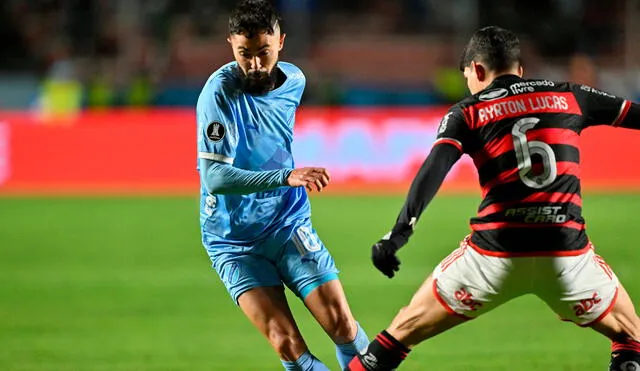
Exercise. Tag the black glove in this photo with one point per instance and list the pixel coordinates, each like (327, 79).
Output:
(383, 253)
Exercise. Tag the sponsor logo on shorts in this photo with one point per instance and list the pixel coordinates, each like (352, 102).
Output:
(466, 299)
(585, 305)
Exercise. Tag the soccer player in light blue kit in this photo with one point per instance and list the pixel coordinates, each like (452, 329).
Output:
(254, 210)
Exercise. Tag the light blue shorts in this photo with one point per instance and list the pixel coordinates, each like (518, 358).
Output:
(294, 256)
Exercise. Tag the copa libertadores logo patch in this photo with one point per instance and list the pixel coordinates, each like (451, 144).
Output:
(215, 131)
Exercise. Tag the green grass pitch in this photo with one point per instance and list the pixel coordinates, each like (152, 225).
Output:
(123, 284)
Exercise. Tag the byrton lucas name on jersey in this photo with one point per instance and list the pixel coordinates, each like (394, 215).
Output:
(527, 103)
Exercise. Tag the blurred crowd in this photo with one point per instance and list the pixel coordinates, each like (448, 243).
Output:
(383, 52)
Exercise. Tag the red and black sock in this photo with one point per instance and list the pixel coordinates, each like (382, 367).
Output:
(384, 353)
(625, 355)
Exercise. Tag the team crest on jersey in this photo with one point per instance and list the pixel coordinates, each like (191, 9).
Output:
(493, 94)
(215, 131)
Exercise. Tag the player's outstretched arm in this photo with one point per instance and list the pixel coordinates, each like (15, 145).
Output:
(223, 178)
(602, 108)
(424, 187)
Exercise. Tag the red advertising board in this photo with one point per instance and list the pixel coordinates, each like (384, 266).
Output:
(370, 150)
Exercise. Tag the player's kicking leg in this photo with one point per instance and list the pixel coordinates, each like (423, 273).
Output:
(457, 291)
(308, 269)
(423, 318)
(255, 284)
(622, 326)
(268, 310)
(329, 306)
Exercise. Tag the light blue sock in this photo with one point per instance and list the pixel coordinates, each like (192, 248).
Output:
(344, 352)
(306, 362)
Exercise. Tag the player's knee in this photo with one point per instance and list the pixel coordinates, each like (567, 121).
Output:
(342, 328)
(288, 345)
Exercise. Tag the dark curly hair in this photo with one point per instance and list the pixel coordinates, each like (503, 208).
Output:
(251, 17)
(497, 48)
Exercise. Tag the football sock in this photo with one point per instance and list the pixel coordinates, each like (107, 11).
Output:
(383, 354)
(344, 352)
(306, 362)
(625, 356)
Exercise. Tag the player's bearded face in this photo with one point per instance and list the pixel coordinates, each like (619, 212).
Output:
(258, 81)
(257, 57)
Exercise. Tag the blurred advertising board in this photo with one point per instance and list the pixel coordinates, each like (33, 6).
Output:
(367, 150)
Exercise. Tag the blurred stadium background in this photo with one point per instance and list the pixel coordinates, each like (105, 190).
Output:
(101, 267)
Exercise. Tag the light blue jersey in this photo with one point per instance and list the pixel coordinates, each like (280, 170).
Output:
(256, 230)
(251, 133)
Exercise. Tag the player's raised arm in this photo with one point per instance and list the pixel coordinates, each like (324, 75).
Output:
(445, 153)
(602, 108)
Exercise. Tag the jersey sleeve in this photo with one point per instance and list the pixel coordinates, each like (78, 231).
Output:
(219, 178)
(297, 80)
(217, 130)
(302, 83)
(599, 107)
(453, 129)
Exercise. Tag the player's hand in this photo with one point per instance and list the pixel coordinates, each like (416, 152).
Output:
(312, 178)
(383, 254)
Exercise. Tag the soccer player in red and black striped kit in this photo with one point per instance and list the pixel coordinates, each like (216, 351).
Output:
(529, 235)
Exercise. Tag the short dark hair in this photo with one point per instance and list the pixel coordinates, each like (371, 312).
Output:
(497, 48)
(251, 17)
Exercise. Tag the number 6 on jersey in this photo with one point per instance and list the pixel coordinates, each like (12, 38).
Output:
(525, 149)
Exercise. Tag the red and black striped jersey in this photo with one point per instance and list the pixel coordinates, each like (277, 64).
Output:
(523, 137)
